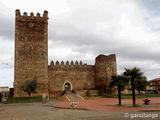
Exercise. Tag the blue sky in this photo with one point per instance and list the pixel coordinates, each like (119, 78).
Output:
(81, 30)
(152, 6)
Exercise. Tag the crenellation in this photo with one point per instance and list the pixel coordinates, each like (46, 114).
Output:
(38, 15)
(52, 63)
(57, 62)
(81, 63)
(67, 62)
(18, 13)
(62, 62)
(72, 63)
(76, 63)
(32, 14)
(45, 14)
(25, 14)
(70, 67)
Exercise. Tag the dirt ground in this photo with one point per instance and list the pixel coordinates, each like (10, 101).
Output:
(40, 111)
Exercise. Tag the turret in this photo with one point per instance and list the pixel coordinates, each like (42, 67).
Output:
(31, 51)
(105, 67)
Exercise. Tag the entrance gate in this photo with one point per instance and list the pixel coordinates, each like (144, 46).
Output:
(67, 87)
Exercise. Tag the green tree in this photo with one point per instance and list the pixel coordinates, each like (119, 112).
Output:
(30, 86)
(120, 81)
(141, 84)
(133, 75)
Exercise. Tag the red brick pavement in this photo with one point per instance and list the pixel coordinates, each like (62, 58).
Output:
(110, 104)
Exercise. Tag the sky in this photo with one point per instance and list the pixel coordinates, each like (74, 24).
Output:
(83, 29)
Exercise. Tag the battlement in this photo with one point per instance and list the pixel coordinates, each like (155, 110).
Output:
(25, 14)
(70, 66)
(67, 63)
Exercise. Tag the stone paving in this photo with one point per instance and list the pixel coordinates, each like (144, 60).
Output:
(110, 104)
(42, 111)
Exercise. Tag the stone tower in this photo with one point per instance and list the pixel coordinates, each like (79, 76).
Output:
(31, 51)
(105, 67)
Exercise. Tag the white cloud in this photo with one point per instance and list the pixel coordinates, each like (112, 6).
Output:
(80, 30)
(6, 62)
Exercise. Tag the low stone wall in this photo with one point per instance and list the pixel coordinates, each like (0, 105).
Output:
(82, 93)
(92, 93)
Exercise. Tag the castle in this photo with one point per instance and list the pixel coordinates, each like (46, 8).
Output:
(31, 59)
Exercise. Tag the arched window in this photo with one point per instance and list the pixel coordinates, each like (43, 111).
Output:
(30, 47)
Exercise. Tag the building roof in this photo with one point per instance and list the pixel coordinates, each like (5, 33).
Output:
(4, 87)
(157, 79)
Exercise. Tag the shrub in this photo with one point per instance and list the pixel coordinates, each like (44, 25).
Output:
(146, 101)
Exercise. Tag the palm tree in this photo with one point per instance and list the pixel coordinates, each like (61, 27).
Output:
(119, 81)
(133, 75)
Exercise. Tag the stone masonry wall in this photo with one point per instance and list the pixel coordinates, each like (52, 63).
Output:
(31, 51)
(81, 77)
(105, 67)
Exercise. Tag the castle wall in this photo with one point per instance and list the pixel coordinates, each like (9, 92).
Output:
(31, 60)
(81, 77)
(105, 67)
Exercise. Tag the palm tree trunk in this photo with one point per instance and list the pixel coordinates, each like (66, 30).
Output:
(139, 92)
(119, 95)
(133, 94)
(29, 94)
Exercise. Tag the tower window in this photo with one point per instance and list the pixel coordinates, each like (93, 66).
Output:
(30, 48)
(23, 38)
(31, 25)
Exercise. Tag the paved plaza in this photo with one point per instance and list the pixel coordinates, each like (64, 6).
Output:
(110, 104)
(42, 111)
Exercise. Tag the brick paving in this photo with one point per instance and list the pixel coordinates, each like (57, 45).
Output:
(110, 104)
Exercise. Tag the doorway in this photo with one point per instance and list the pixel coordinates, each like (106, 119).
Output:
(67, 87)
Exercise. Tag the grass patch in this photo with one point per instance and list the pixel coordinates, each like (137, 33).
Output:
(23, 100)
(129, 96)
